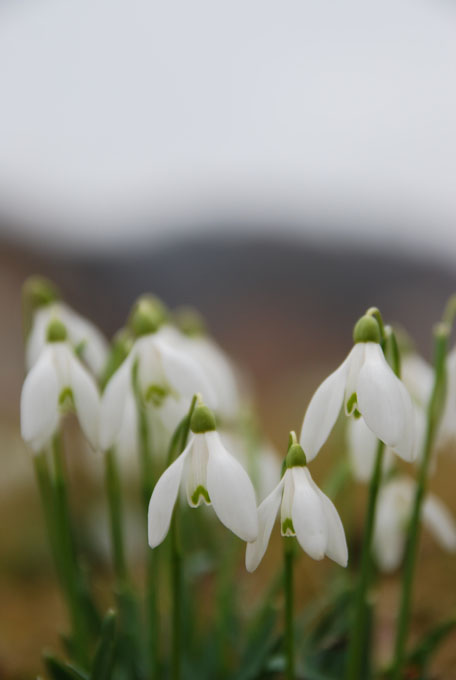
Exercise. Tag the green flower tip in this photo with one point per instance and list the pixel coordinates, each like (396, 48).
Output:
(38, 292)
(190, 321)
(203, 420)
(366, 330)
(56, 331)
(147, 316)
(296, 456)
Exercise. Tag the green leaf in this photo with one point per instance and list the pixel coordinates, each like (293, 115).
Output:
(421, 655)
(59, 670)
(104, 654)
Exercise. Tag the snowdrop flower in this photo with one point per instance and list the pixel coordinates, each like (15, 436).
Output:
(167, 379)
(447, 427)
(210, 475)
(214, 364)
(418, 377)
(365, 384)
(305, 512)
(82, 335)
(394, 508)
(56, 382)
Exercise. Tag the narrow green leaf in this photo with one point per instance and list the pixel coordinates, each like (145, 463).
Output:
(104, 654)
(59, 670)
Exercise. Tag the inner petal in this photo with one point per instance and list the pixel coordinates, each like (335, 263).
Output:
(286, 523)
(197, 492)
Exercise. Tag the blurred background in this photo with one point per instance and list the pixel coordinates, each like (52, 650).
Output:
(281, 167)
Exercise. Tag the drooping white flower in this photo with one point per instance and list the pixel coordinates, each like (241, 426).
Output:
(362, 450)
(418, 377)
(82, 335)
(214, 363)
(167, 378)
(366, 383)
(57, 381)
(447, 428)
(394, 509)
(211, 475)
(305, 512)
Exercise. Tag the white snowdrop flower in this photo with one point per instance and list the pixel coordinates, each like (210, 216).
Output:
(394, 509)
(418, 377)
(82, 335)
(305, 512)
(211, 475)
(214, 363)
(56, 382)
(447, 428)
(167, 379)
(366, 383)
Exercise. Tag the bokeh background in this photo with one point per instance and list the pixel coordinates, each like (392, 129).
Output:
(281, 167)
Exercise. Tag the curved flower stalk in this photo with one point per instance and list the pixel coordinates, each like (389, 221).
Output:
(364, 384)
(83, 336)
(167, 379)
(211, 475)
(394, 510)
(447, 428)
(305, 512)
(56, 383)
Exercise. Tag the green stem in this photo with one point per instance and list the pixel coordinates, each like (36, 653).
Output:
(115, 517)
(44, 481)
(178, 442)
(288, 556)
(64, 542)
(441, 342)
(358, 628)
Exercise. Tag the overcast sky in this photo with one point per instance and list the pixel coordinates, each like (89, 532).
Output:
(122, 118)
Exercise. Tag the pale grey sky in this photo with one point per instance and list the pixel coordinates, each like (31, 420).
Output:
(125, 117)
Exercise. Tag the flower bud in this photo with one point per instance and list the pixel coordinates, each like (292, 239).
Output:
(147, 316)
(190, 321)
(366, 330)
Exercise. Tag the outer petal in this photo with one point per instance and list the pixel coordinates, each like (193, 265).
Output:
(393, 513)
(113, 403)
(440, 522)
(231, 490)
(39, 402)
(385, 403)
(267, 513)
(418, 377)
(323, 410)
(86, 399)
(184, 373)
(84, 333)
(337, 545)
(164, 498)
(362, 446)
(308, 515)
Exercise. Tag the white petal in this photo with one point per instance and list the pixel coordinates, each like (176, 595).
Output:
(385, 403)
(418, 377)
(84, 333)
(196, 472)
(337, 544)
(362, 448)
(267, 513)
(309, 519)
(127, 439)
(36, 340)
(231, 490)
(163, 499)
(39, 402)
(440, 522)
(391, 521)
(355, 360)
(86, 399)
(113, 402)
(323, 410)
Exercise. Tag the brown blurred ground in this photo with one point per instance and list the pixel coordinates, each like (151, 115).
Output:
(283, 311)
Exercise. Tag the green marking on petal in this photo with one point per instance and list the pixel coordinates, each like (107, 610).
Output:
(352, 402)
(156, 394)
(356, 414)
(200, 492)
(66, 400)
(288, 528)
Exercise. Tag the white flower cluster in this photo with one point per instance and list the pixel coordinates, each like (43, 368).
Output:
(162, 369)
